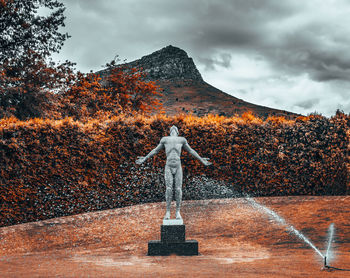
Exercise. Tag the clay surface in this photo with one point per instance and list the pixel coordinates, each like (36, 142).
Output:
(235, 240)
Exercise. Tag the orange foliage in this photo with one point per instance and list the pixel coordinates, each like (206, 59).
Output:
(43, 89)
(121, 91)
(251, 118)
(52, 168)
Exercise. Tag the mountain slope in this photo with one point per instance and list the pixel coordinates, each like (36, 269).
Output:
(185, 91)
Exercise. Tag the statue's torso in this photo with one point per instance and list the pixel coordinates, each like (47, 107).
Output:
(173, 146)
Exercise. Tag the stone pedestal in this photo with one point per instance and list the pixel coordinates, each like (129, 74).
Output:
(173, 241)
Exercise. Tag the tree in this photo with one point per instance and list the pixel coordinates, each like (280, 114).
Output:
(127, 86)
(23, 29)
(28, 88)
(119, 89)
(30, 80)
(28, 77)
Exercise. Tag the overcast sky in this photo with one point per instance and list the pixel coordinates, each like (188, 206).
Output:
(291, 55)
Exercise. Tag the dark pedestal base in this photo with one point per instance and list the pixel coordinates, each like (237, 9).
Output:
(173, 241)
(186, 248)
(172, 233)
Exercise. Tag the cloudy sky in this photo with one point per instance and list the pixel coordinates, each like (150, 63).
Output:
(291, 55)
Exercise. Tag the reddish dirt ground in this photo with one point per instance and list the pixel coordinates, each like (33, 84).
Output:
(235, 240)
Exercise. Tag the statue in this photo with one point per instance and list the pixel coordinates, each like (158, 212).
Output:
(173, 170)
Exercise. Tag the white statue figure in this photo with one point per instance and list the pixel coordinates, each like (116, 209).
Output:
(173, 170)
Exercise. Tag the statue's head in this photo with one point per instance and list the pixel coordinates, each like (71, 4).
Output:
(174, 130)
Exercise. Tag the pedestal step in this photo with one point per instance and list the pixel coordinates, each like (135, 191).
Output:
(186, 248)
(173, 241)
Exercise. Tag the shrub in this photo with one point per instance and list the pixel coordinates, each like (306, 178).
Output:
(52, 168)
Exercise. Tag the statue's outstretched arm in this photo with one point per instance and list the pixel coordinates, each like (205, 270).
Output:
(205, 161)
(142, 159)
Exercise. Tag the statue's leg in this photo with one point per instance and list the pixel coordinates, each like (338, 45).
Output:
(168, 176)
(178, 191)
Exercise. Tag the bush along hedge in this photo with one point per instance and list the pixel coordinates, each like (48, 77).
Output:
(51, 168)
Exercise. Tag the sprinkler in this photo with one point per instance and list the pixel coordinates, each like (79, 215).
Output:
(331, 268)
(325, 262)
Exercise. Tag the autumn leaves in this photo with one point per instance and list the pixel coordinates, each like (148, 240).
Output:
(51, 168)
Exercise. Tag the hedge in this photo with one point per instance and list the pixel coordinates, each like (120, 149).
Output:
(51, 168)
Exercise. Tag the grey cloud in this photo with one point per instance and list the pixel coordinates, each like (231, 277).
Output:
(329, 66)
(207, 28)
(202, 27)
(305, 53)
(307, 104)
(311, 48)
(224, 60)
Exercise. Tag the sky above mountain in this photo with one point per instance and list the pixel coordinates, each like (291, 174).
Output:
(291, 55)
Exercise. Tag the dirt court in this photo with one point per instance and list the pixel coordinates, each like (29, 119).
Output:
(235, 240)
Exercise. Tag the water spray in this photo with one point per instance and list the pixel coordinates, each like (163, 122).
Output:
(281, 221)
(330, 239)
(328, 251)
(293, 230)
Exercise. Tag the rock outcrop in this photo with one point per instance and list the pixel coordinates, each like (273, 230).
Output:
(168, 63)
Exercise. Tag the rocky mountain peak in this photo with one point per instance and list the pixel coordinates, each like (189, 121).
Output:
(168, 63)
(184, 90)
